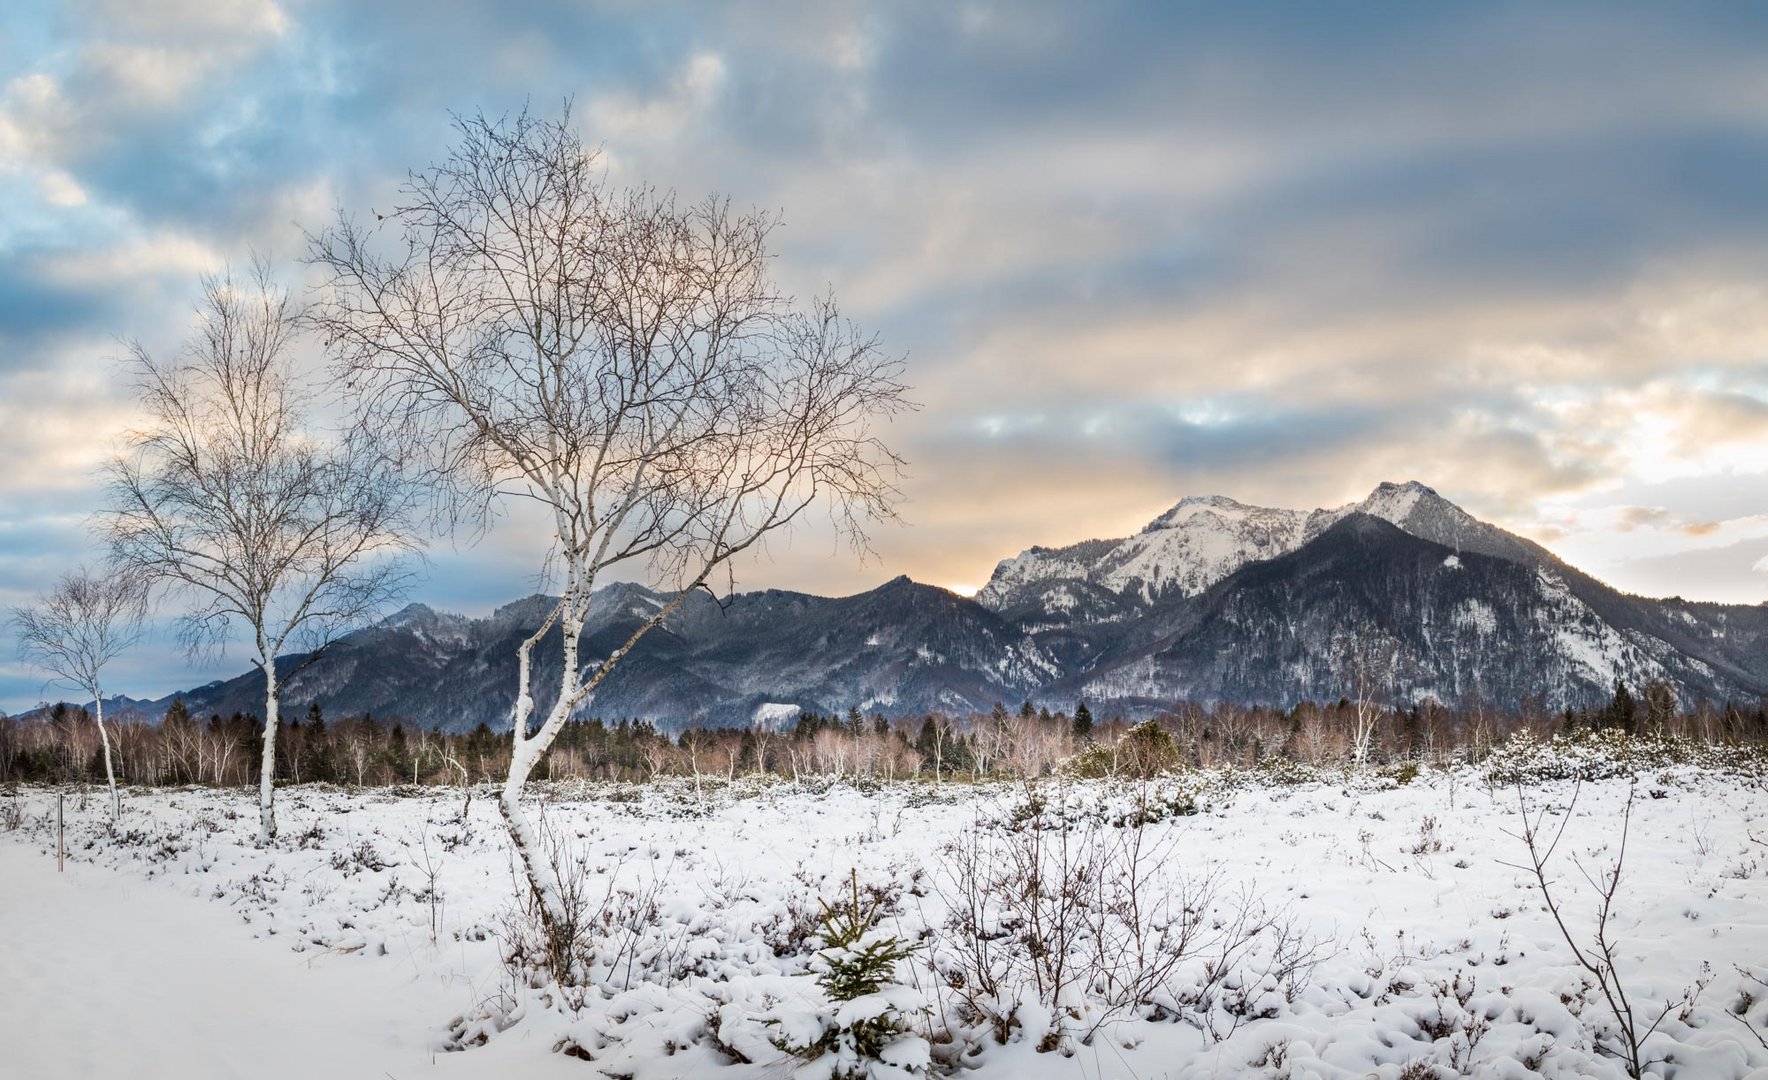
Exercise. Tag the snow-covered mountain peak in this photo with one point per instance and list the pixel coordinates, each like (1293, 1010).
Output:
(1396, 502)
(1204, 538)
(1192, 505)
(1180, 553)
(1419, 510)
(410, 613)
(1197, 544)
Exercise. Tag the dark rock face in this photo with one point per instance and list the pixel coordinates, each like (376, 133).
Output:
(1214, 600)
(902, 648)
(1452, 625)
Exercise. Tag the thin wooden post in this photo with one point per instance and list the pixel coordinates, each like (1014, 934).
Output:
(61, 841)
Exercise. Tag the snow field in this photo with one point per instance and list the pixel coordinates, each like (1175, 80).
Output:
(1422, 949)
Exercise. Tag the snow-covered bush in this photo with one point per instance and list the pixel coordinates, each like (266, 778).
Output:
(1145, 751)
(540, 947)
(606, 929)
(1401, 773)
(1274, 771)
(1610, 752)
(1096, 762)
(864, 1034)
(1062, 924)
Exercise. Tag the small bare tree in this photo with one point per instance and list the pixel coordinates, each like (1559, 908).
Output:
(77, 628)
(1365, 661)
(621, 359)
(231, 497)
(1599, 954)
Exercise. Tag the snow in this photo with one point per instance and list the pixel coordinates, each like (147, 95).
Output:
(774, 715)
(195, 953)
(1394, 502)
(1477, 615)
(121, 976)
(1587, 642)
(1204, 539)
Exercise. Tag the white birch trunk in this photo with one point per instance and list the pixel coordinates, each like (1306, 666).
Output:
(267, 774)
(110, 775)
(524, 754)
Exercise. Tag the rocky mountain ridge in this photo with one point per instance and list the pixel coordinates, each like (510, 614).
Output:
(1214, 599)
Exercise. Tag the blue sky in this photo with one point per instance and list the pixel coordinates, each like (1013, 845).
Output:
(1131, 252)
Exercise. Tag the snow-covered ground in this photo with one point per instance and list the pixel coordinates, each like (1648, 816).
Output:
(366, 941)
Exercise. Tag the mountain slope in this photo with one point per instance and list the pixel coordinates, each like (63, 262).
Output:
(900, 648)
(1214, 599)
(1460, 624)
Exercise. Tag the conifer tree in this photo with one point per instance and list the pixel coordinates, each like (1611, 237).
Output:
(318, 766)
(1622, 709)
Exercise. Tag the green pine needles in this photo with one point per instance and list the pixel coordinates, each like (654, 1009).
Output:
(853, 965)
(864, 1034)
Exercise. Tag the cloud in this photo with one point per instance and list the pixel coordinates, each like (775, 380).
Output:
(1632, 517)
(58, 426)
(1730, 572)
(1131, 251)
(626, 118)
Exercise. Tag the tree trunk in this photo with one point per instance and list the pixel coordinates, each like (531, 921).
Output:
(554, 919)
(110, 775)
(525, 751)
(267, 775)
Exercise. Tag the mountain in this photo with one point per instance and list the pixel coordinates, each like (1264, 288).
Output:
(903, 648)
(1445, 625)
(1205, 538)
(1214, 599)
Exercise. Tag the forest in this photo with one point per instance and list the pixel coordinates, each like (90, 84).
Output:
(60, 743)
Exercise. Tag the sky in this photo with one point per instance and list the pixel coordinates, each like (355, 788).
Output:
(1128, 252)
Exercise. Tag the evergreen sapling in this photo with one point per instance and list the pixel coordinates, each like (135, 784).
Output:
(865, 1035)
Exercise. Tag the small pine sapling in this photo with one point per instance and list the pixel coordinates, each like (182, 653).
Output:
(865, 1035)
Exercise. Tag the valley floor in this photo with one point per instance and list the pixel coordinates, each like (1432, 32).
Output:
(366, 941)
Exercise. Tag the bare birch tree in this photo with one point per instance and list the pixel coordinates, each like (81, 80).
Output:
(76, 629)
(1365, 660)
(622, 359)
(233, 498)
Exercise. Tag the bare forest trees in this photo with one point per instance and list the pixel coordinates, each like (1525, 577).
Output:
(621, 359)
(232, 497)
(76, 629)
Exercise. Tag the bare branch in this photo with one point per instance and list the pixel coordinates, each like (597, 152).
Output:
(619, 357)
(232, 500)
(76, 629)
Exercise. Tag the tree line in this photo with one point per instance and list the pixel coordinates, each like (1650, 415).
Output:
(61, 744)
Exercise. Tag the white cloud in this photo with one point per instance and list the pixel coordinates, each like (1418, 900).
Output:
(128, 261)
(57, 427)
(60, 189)
(625, 117)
